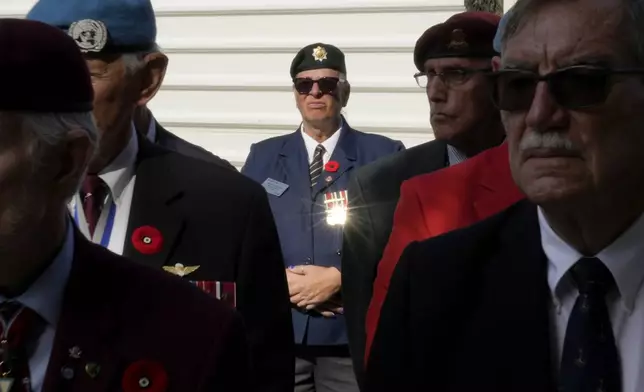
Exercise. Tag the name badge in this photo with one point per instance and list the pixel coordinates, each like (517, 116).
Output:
(336, 204)
(274, 187)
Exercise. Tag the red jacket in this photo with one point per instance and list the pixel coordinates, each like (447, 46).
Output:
(438, 202)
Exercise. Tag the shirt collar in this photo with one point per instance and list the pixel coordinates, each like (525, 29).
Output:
(45, 295)
(329, 144)
(454, 155)
(119, 172)
(152, 130)
(622, 258)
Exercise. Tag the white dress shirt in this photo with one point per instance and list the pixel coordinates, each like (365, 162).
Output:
(119, 176)
(625, 260)
(454, 156)
(329, 144)
(152, 130)
(45, 297)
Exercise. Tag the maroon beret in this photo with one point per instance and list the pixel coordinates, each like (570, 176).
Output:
(41, 69)
(468, 34)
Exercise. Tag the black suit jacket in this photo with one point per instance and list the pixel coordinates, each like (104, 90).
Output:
(173, 142)
(374, 191)
(220, 220)
(119, 313)
(468, 310)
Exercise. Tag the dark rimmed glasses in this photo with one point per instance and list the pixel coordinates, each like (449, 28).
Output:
(449, 77)
(575, 87)
(326, 85)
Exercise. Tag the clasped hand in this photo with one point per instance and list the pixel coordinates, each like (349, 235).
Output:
(313, 287)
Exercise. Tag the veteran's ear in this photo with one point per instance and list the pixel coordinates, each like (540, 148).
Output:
(152, 76)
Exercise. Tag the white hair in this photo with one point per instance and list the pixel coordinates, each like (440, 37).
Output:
(134, 62)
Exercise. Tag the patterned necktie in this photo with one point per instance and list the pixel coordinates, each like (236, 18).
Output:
(315, 168)
(590, 362)
(93, 192)
(17, 325)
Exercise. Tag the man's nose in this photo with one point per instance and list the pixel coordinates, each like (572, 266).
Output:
(436, 89)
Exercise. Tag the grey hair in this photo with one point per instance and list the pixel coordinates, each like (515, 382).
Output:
(50, 129)
(633, 18)
(134, 62)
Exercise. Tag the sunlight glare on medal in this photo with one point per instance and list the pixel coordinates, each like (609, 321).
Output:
(336, 207)
(337, 215)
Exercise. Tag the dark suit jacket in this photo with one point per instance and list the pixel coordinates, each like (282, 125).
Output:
(468, 310)
(118, 312)
(435, 203)
(374, 190)
(300, 213)
(219, 220)
(173, 142)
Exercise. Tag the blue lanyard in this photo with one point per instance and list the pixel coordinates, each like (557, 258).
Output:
(109, 224)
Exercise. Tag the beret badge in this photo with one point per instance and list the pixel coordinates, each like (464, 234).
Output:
(90, 35)
(458, 40)
(319, 54)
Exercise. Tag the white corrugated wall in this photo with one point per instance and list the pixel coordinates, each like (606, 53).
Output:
(228, 82)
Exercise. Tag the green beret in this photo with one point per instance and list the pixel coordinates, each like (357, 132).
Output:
(317, 56)
(467, 34)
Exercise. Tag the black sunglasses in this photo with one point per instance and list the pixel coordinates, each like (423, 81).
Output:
(575, 87)
(450, 77)
(326, 85)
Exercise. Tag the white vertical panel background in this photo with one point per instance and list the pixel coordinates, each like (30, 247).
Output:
(228, 82)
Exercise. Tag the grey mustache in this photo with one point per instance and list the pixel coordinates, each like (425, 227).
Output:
(550, 140)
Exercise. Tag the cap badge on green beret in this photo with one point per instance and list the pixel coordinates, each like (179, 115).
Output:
(319, 54)
(458, 41)
(90, 35)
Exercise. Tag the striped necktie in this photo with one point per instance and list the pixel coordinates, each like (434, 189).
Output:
(315, 168)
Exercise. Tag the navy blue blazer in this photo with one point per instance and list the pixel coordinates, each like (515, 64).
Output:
(300, 214)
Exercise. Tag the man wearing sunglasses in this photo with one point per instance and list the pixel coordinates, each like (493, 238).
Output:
(306, 174)
(545, 295)
(451, 59)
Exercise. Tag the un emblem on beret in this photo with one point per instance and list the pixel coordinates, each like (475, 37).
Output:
(458, 40)
(319, 54)
(90, 35)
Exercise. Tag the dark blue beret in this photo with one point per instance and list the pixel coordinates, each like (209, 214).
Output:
(41, 69)
(101, 26)
(317, 56)
(467, 34)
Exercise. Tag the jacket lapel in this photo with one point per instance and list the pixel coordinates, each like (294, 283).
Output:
(514, 329)
(344, 154)
(294, 163)
(88, 324)
(152, 203)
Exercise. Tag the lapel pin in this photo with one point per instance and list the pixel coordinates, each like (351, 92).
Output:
(75, 352)
(92, 369)
(180, 269)
(67, 372)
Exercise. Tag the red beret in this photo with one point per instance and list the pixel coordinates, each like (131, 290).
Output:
(468, 34)
(41, 69)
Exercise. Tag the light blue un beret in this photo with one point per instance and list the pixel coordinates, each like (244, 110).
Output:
(500, 30)
(101, 26)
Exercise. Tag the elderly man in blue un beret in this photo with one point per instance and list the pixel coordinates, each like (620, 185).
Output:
(74, 316)
(198, 220)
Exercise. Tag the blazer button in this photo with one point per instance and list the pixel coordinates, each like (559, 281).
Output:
(339, 252)
(308, 260)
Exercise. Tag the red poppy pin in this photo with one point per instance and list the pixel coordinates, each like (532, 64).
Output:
(149, 376)
(147, 240)
(331, 166)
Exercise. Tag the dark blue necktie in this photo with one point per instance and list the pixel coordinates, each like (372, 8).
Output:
(590, 362)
